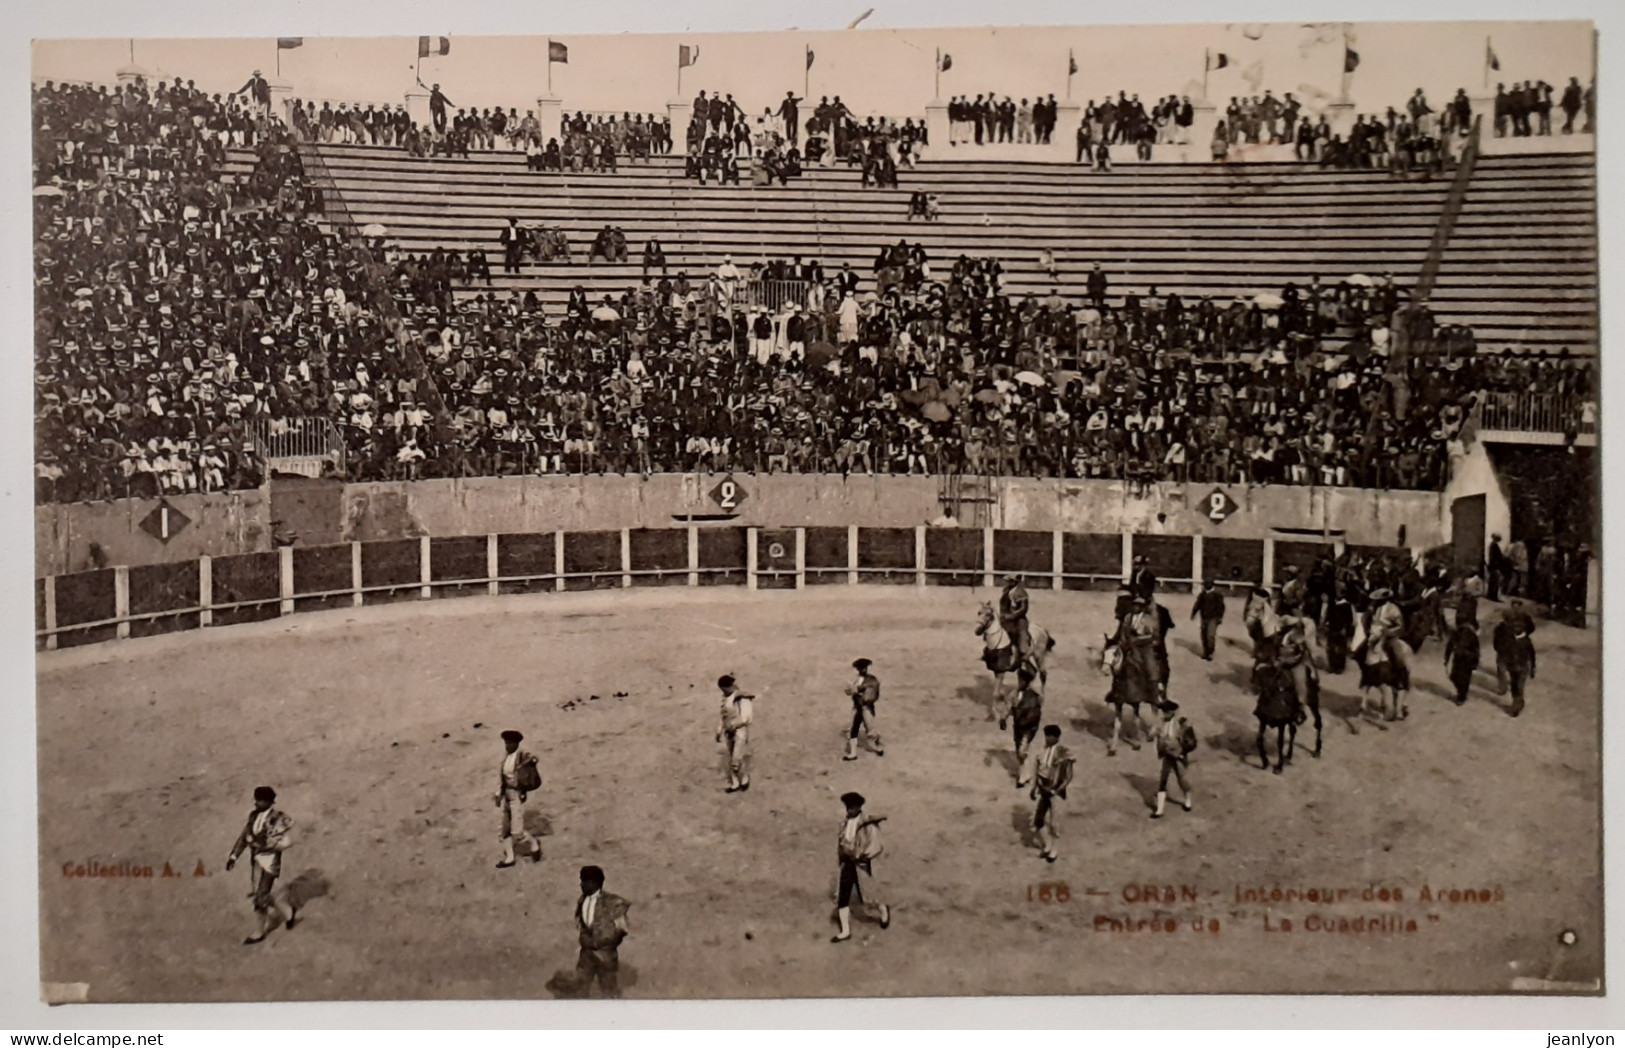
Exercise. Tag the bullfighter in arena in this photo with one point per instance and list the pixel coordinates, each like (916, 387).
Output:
(266, 835)
(601, 927)
(1053, 775)
(864, 692)
(736, 718)
(518, 777)
(1013, 614)
(856, 849)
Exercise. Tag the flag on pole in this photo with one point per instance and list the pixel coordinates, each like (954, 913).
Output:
(433, 45)
(288, 43)
(557, 52)
(686, 55)
(1217, 61)
(1351, 59)
(809, 57)
(1254, 74)
(1071, 64)
(1491, 59)
(945, 63)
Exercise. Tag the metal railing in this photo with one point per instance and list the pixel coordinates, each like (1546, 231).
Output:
(1447, 218)
(774, 294)
(1537, 413)
(302, 437)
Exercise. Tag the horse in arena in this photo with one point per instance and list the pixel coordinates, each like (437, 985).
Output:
(1135, 678)
(1278, 706)
(1000, 657)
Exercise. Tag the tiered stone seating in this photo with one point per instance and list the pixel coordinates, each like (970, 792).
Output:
(1520, 268)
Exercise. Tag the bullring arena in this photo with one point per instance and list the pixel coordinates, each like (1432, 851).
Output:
(379, 727)
(366, 433)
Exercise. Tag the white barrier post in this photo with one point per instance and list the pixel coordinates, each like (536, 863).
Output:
(493, 566)
(558, 562)
(919, 555)
(626, 558)
(425, 569)
(1269, 562)
(801, 558)
(1128, 555)
(50, 612)
(750, 558)
(205, 590)
(357, 598)
(121, 600)
(987, 557)
(1196, 562)
(851, 554)
(285, 577)
(693, 555)
(1057, 561)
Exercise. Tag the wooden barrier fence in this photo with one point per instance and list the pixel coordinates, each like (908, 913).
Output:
(121, 602)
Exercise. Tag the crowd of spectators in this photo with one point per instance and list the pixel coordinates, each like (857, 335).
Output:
(1323, 384)
(182, 316)
(985, 119)
(1514, 107)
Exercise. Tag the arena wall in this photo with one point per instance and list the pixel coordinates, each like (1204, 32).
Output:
(67, 536)
(239, 522)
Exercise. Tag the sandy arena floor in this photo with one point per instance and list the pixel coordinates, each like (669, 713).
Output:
(378, 727)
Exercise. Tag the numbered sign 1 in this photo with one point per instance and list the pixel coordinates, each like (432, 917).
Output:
(728, 494)
(1219, 506)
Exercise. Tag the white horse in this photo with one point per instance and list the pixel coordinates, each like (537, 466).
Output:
(999, 655)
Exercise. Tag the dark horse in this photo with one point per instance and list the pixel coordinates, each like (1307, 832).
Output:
(1278, 706)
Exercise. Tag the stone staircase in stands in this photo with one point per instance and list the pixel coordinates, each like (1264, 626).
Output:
(1520, 268)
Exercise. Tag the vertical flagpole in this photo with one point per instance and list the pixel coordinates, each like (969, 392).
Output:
(806, 73)
(938, 74)
(549, 68)
(1207, 65)
(1486, 63)
(1070, 62)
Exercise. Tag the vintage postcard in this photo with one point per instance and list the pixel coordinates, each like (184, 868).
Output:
(859, 513)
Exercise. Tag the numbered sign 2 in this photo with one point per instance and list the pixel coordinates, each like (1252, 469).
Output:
(1219, 505)
(729, 494)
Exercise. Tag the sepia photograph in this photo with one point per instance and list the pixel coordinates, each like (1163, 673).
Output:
(862, 512)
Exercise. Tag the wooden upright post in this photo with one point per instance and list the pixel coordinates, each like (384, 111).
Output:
(285, 577)
(425, 568)
(121, 600)
(493, 565)
(205, 591)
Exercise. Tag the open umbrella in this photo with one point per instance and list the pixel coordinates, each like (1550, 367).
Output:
(373, 229)
(1268, 301)
(821, 353)
(936, 411)
(1030, 378)
(45, 191)
(914, 396)
(1361, 280)
(988, 396)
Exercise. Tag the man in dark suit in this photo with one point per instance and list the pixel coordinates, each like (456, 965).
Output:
(790, 115)
(601, 922)
(1209, 607)
(510, 240)
(437, 107)
(258, 89)
(1142, 583)
(1573, 99)
(978, 118)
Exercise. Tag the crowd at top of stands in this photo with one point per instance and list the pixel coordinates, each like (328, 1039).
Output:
(180, 316)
